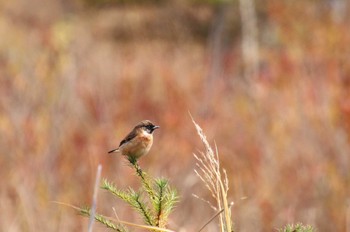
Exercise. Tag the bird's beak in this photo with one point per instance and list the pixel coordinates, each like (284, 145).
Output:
(155, 127)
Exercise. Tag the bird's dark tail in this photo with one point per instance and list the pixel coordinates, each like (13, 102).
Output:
(114, 150)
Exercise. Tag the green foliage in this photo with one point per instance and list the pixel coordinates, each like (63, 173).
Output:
(134, 199)
(299, 227)
(164, 201)
(85, 211)
(154, 201)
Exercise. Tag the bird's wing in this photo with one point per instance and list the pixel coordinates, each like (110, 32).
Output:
(129, 137)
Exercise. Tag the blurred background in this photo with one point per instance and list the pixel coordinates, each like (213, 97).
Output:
(268, 81)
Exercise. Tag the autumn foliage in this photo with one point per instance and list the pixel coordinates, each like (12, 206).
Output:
(76, 77)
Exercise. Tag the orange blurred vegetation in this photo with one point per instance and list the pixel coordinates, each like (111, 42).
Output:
(75, 79)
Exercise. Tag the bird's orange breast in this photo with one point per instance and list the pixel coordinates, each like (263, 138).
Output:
(138, 146)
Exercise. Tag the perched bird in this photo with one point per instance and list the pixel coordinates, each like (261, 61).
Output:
(138, 142)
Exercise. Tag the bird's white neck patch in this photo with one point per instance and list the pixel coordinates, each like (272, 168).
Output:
(145, 133)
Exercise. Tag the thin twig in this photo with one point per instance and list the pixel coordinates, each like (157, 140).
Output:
(213, 217)
(94, 198)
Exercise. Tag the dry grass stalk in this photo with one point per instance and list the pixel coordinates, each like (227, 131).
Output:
(108, 221)
(215, 179)
(94, 198)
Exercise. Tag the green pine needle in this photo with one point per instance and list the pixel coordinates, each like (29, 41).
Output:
(297, 228)
(133, 199)
(154, 201)
(85, 211)
(164, 202)
(143, 209)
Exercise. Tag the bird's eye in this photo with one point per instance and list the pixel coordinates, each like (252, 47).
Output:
(149, 128)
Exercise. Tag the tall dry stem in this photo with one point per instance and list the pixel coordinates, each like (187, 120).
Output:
(215, 179)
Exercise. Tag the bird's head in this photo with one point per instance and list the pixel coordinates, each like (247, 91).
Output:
(147, 126)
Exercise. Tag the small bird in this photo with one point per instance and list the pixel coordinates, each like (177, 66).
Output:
(138, 142)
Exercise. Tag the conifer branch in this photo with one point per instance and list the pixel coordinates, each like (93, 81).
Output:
(99, 218)
(145, 180)
(154, 209)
